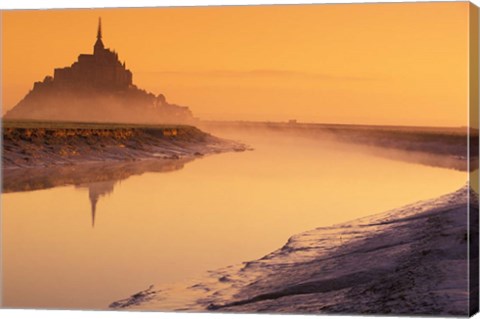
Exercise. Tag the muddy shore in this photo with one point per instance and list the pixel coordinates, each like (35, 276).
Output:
(411, 260)
(47, 144)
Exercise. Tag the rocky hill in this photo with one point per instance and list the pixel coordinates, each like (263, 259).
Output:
(96, 88)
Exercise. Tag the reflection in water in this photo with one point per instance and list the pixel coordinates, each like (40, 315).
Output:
(21, 180)
(95, 191)
(99, 179)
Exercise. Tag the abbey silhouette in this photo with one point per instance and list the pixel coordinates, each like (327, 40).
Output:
(96, 88)
(102, 69)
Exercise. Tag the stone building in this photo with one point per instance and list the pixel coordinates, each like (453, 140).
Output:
(102, 69)
(96, 88)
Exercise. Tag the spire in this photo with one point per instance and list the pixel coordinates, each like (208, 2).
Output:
(99, 31)
(98, 47)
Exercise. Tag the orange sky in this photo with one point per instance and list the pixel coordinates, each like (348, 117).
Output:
(399, 64)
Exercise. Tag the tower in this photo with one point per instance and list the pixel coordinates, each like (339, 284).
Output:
(99, 47)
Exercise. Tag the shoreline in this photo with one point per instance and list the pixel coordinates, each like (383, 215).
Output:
(40, 145)
(433, 146)
(410, 260)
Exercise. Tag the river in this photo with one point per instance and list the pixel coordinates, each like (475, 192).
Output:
(84, 246)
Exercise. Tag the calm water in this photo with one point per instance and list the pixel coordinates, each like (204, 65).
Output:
(215, 211)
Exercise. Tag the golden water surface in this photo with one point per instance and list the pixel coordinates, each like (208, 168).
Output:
(216, 211)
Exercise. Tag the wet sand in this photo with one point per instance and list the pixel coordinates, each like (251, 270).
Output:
(411, 260)
(47, 144)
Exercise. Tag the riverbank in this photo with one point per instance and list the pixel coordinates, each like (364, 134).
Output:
(36, 144)
(445, 147)
(411, 260)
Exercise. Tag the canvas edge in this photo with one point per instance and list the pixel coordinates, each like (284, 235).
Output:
(473, 142)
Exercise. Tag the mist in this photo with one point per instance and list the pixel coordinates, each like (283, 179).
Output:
(132, 106)
(436, 147)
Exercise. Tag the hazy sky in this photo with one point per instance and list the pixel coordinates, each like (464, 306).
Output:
(401, 64)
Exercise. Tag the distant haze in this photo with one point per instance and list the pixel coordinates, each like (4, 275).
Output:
(392, 64)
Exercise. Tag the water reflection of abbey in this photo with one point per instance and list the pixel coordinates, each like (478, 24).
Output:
(97, 190)
(106, 177)
(99, 179)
